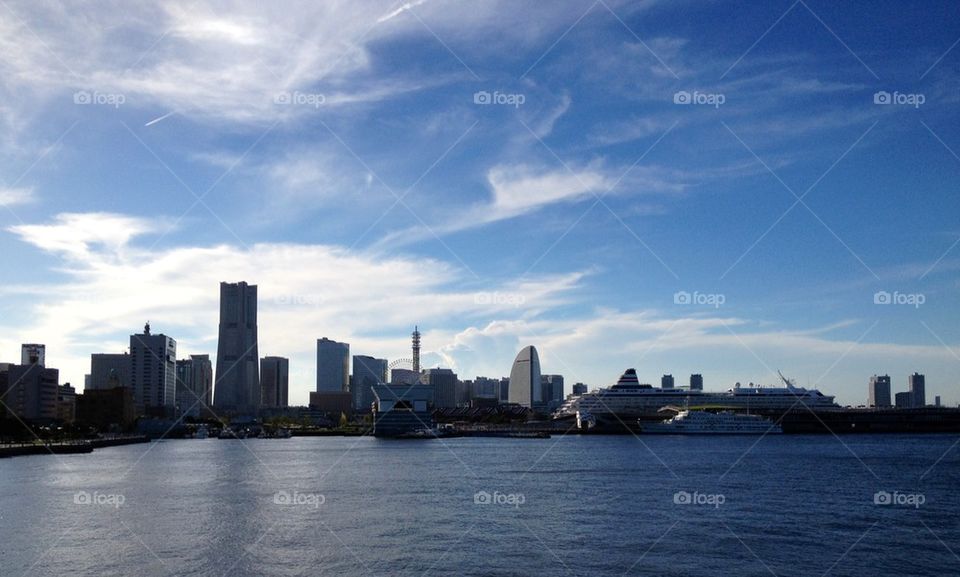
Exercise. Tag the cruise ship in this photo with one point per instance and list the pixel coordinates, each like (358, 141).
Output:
(631, 402)
(707, 423)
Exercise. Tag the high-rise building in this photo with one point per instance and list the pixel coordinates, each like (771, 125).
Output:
(696, 382)
(367, 373)
(333, 366)
(103, 365)
(274, 381)
(879, 392)
(415, 348)
(666, 382)
(194, 385)
(153, 372)
(485, 388)
(525, 385)
(33, 354)
(579, 389)
(552, 391)
(903, 400)
(444, 383)
(237, 385)
(918, 387)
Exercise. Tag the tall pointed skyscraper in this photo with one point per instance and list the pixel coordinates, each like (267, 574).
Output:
(237, 387)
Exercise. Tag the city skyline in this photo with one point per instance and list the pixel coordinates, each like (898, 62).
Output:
(625, 186)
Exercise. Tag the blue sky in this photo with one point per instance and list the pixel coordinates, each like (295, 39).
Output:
(346, 159)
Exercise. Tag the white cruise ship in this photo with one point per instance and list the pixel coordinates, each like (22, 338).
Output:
(629, 401)
(707, 423)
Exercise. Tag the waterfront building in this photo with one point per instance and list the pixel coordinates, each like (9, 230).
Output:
(903, 400)
(102, 365)
(579, 389)
(237, 384)
(106, 409)
(525, 383)
(917, 384)
(333, 404)
(484, 388)
(696, 382)
(504, 389)
(333, 366)
(153, 372)
(936, 401)
(367, 372)
(402, 409)
(879, 392)
(666, 382)
(274, 382)
(33, 354)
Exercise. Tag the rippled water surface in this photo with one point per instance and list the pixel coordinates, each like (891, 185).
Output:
(782, 505)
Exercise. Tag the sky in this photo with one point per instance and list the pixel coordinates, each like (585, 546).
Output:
(681, 187)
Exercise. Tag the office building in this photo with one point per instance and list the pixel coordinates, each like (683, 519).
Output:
(30, 392)
(666, 382)
(332, 404)
(552, 390)
(484, 388)
(66, 403)
(33, 354)
(404, 377)
(917, 388)
(274, 381)
(237, 384)
(367, 372)
(696, 382)
(879, 392)
(936, 401)
(444, 385)
(194, 385)
(333, 366)
(525, 385)
(103, 365)
(579, 389)
(903, 400)
(153, 373)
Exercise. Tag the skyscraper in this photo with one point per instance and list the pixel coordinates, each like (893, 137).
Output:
(367, 372)
(666, 382)
(918, 389)
(879, 391)
(525, 386)
(237, 387)
(274, 381)
(153, 372)
(194, 384)
(333, 366)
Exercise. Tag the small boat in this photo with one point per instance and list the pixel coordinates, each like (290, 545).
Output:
(707, 423)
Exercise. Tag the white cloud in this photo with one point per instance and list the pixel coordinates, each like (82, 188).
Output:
(13, 196)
